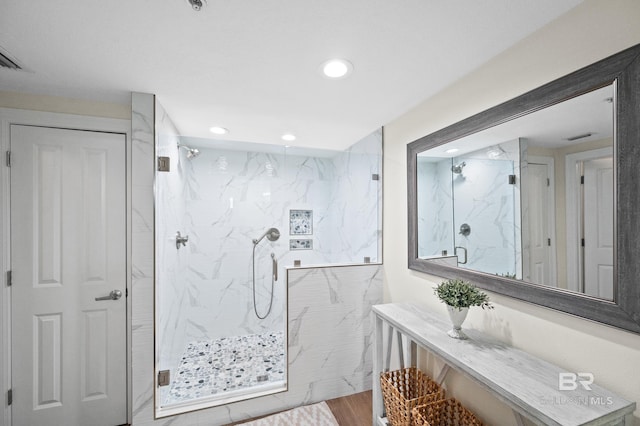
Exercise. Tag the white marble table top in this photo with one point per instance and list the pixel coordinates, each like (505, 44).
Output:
(528, 384)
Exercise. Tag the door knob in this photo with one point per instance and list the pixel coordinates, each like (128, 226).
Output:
(114, 295)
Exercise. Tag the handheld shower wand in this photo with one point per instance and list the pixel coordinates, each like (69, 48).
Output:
(274, 266)
(272, 234)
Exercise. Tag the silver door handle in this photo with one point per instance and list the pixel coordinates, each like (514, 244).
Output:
(114, 295)
(455, 252)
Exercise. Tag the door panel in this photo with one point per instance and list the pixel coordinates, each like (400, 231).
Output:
(47, 212)
(598, 227)
(68, 243)
(539, 232)
(47, 389)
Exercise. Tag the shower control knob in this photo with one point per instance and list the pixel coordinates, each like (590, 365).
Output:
(181, 240)
(465, 229)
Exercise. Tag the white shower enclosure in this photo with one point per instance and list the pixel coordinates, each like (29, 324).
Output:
(470, 209)
(211, 347)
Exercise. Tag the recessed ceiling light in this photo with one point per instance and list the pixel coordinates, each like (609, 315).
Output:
(452, 150)
(337, 68)
(288, 137)
(218, 130)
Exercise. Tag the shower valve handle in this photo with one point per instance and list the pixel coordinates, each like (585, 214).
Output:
(181, 240)
(465, 230)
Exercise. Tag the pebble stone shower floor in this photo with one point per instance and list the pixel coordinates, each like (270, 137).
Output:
(228, 364)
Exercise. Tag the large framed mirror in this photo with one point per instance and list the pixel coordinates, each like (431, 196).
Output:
(538, 198)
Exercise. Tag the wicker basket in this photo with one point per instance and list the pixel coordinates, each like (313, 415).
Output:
(445, 412)
(402, 390)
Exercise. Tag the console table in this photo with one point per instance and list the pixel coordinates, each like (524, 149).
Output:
(529, 385)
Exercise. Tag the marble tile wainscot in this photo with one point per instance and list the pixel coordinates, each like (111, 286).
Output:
(526, 383)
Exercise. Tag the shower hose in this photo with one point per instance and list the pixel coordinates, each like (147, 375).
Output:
(273, 278)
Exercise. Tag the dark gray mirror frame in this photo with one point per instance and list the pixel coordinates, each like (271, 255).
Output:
(622, 69)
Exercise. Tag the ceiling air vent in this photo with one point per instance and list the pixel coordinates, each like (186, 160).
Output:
(582, 136)
(7, 62)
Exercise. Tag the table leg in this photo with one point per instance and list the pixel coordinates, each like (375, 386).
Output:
(378, 406)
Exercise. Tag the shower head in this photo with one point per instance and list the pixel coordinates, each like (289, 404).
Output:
(457, 169)
(196, 4)
(191, 152)
(272, 234)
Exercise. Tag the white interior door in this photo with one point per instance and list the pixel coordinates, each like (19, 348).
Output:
(541, 211)
(68, 246)
(598, 227)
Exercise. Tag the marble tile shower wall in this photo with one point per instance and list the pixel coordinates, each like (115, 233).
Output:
(232, 197)
(356, 199)
(484, 200)
(435, 204)
(350, 289)
(484, 196)
(142, 258)
(481, 197)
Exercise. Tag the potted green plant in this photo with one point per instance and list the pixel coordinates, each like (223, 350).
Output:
(459, 296)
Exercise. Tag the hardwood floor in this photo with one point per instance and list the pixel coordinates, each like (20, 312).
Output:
(351, 410)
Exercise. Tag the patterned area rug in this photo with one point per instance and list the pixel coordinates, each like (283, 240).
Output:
(310, 415)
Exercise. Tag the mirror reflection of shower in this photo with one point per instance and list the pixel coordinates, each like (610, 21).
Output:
(191, 152)
(272, 234)
(457, 169)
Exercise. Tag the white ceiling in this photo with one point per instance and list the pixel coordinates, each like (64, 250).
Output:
(252, 66)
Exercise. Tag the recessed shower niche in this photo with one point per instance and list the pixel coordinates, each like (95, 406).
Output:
(231, 218)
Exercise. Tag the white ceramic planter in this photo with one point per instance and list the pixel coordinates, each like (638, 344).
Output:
(457, 318)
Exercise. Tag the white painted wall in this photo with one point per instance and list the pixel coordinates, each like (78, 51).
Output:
(590, 32)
